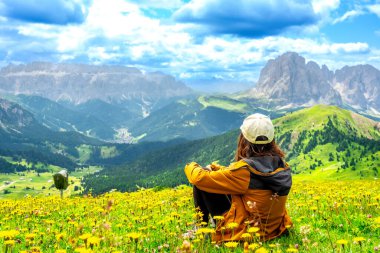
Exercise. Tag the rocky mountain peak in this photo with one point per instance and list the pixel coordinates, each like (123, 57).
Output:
(359, 86)
(289, 79)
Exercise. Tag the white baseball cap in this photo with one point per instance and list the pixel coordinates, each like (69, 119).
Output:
(256, 125)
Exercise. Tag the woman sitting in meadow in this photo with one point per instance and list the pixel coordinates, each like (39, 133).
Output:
(247, 197)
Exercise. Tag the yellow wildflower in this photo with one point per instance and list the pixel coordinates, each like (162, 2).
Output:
(93, 241)
(262, 250)
(9, 234)
(359, 239)
(231, 244)
(253, 246)
(9, 242)
(60, 236)
(205, 231)
(342, 242)
(232, 225)
(253, 229)
(85, 236)
(246, 236)
(134, 235)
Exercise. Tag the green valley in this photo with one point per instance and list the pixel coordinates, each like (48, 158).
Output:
(321, 142)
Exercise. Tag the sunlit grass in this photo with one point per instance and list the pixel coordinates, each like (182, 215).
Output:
(343, 216)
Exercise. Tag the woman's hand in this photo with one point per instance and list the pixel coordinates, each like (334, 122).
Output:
(208, 167)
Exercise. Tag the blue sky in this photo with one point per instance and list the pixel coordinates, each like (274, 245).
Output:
(214, 45)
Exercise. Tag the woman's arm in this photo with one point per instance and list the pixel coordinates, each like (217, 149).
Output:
(225, 181)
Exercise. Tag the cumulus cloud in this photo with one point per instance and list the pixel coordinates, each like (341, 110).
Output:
(58, 12)
(348, 15)
(375, 8)
(159, 4)
(247, 18)
(122, 33)
(324, 7)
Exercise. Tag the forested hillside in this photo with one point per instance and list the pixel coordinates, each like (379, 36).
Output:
(323, 141)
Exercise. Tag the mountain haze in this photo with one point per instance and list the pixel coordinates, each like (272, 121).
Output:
(79, 83)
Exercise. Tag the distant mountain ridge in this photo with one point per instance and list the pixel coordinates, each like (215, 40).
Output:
(292, 81)
(79, 83)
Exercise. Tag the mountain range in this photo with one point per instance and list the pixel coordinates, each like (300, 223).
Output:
(79, 83)
(116, 103)
(293, 82)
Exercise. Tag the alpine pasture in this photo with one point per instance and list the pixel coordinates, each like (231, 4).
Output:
(328, 216)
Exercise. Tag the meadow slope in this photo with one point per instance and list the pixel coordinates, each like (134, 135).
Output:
(343, 216)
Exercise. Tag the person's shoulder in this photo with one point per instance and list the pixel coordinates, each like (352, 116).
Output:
(238, 165)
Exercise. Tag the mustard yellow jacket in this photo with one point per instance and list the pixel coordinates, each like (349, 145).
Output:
(258, 186)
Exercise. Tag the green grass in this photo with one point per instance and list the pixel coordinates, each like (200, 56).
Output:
(223, 103)
(39, 184)
(317, 116)
(108, 152)
(85, 152)
(327, 217)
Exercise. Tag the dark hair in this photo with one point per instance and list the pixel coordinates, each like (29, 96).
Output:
(245, 149)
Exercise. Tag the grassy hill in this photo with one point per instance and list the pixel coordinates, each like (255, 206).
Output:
(197, 118)
(322, 142)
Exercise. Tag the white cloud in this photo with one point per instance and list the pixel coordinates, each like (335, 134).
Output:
(159, 4)
(42, 31)
(121, 33)
(348, 15)
(323, 7)
(375, 9)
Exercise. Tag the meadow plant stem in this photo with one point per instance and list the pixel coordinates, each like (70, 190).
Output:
(328, 234)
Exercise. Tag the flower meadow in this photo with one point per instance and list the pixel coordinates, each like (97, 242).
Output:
(328, 216)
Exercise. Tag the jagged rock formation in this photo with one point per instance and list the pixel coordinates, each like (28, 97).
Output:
(293, 81)
(289, 80)
(359, 86)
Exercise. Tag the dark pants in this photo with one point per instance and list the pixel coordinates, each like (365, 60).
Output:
(211, 203)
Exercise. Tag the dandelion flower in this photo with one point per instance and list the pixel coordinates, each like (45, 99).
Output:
(292, 250)
(359, 240)
(30, 236)
(253, 229)
(205, 231)
(134, 235)
(246, 236)
(9, 242)
(342, 242)
(231, 244)
(85, 236)
(253, 246)
(93, 241)
(9, 234)
(232, 225)
(262, 250)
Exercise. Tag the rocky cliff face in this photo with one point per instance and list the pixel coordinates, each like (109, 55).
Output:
(78, 83)
(13, 117)
(359, 86)
(290, 80)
